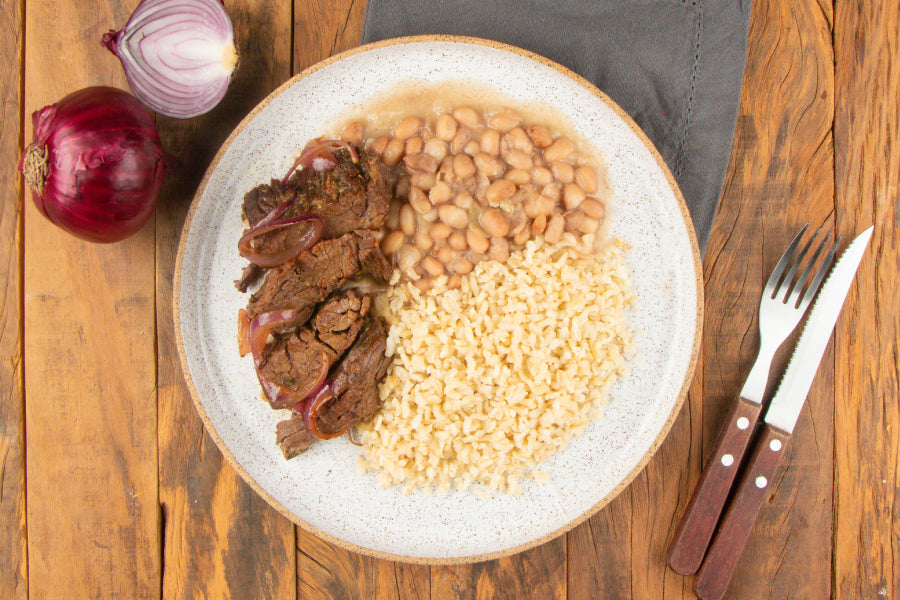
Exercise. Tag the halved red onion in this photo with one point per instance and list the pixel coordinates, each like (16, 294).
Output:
(178, 55)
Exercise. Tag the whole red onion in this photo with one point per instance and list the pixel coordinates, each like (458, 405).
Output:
(96, 164)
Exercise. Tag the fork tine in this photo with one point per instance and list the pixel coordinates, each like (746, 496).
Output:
(820, 275)
(787, 283)
(798, 286)
(772, 283)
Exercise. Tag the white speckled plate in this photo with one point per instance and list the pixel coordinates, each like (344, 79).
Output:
(321, 490)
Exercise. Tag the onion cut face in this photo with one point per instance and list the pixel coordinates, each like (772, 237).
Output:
(178, 55)
(96, 164)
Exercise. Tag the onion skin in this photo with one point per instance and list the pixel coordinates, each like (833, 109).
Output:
(104, 164)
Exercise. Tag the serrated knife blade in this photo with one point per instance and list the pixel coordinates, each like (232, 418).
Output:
(785, 406)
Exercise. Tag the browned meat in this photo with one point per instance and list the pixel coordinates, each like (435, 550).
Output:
(349, 197)
(352, 200)
(308, 279)
(354, 391)
(355, 380)
(338, 321)
(262, 200)
(296, 359)
(249, 275)
(292, 437)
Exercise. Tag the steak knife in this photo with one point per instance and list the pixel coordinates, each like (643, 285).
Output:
(778, 424)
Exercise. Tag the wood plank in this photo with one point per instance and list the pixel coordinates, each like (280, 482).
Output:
(620, 551)
(13, 558)
(781, 176)
(90, 361)
(782, 154)
(866, 357)
(323, 28)
(324, 570)
(220, 538)
(539, 574)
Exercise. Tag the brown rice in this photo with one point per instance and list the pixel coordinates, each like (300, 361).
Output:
(490, 379)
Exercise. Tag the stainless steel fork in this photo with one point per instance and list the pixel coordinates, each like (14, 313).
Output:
(784, 301)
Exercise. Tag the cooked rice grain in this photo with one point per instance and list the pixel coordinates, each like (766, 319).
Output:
(492, 378)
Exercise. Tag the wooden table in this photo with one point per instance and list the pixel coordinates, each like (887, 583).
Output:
(111, 488)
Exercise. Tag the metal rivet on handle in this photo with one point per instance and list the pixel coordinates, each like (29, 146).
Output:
(761, 482)
(727, 460)
(743, 423)
(775, 445)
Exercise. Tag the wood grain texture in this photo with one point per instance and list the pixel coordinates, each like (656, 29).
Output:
(867, 359)
(90, 360)
(326, 571)
(220, 539)
(323, 28)
(621, 551)
(13, 558)
(780, 176)
(125, 499)
(538, 574)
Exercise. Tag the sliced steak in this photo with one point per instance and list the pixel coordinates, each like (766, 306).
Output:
(292, 437)
(339, 319)
(351, 196)
(262, 200)
(305, 281)
(297, 359)
(355, 380)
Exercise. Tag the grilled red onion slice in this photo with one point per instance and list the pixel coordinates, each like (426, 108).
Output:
(318, 156)
(260, 328)
(272, 222)
(311, 410)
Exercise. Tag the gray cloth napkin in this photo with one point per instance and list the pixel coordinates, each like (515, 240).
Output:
(674, 65)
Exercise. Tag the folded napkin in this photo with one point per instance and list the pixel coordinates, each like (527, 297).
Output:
(674, 65)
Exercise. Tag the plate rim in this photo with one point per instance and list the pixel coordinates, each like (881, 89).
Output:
(651, 450)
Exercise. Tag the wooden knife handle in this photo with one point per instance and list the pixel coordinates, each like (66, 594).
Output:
(692, 537)
(731, 537)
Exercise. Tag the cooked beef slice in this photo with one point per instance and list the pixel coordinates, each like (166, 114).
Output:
(249, 275)
(305, 281)
(351, 196)
(263, 199)
(338, 320)
(292, 437)
(296, 359)
(355, 380)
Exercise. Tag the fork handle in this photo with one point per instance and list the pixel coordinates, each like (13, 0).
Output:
(692, 537)
(734, 530)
